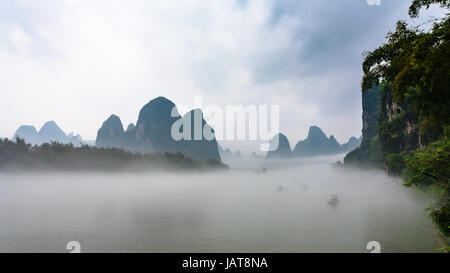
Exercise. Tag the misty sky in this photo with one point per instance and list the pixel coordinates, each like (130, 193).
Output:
(77, 62)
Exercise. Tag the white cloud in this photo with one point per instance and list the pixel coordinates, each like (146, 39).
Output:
(18, 38)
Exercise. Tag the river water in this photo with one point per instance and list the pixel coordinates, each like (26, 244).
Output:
(284, 209)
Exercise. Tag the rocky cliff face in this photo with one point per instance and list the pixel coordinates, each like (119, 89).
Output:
(398, 130)
(368, 152)
(399, 133)
(389, 129)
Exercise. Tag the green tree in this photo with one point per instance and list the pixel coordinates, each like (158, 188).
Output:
(430, 167)
(416, 65)
(418, 4)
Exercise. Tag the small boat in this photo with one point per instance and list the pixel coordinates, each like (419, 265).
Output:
(280, 188)
(333, 200)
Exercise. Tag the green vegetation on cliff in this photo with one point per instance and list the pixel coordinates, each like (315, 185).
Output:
(412, 71)
(429, 167)
(415, 64)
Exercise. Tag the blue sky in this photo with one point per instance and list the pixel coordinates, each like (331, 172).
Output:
(77, 62)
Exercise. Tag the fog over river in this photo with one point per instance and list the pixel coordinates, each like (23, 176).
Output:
(284, 209)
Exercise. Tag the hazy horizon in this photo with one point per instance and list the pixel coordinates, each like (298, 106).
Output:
(246, 147)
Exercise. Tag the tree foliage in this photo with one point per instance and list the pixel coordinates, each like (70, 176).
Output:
(415, 62)
(18, 155)
(430, 167)
(418, 4)
(413, 65)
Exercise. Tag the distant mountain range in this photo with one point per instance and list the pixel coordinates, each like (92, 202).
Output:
(152, 132)
(49, 132)
(316, 144)
(225, 152)
(228, 153)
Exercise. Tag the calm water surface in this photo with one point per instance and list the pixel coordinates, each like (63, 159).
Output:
(283, 210)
